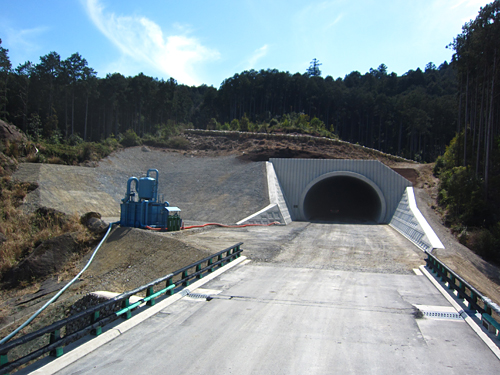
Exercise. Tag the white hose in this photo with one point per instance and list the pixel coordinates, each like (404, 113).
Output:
(7, 338)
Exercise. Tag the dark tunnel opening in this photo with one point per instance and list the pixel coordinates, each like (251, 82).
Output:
(342, 199)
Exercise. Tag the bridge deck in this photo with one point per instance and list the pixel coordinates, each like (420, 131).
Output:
(281, 317)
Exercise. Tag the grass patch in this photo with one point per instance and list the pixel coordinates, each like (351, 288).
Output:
(22, 232)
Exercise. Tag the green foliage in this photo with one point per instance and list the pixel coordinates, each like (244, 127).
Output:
(74, 140)
(35, 127)
(64, 153)
(213, 124)
(70, 100)
(485, 244)
(111, 142)
(462, 196)
(468, 211)
(178, 143)
(131, 139)
(313, 70)
(235, 124)
(244, 123)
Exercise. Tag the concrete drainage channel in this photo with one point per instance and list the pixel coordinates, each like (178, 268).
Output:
(438, 312)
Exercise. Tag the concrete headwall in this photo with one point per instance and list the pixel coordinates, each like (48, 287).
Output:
(297, 176)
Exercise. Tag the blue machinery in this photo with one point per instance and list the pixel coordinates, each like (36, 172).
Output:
(141, 209)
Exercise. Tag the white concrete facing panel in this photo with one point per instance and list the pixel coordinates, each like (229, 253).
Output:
(409, 221)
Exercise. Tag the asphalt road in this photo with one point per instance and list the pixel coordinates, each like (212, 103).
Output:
(276, 316)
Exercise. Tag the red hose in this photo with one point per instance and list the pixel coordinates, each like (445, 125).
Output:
(219, 225)
(151, 228)
(231, 226)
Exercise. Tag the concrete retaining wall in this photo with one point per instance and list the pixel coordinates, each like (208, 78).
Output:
(409, 221)
(277, 209)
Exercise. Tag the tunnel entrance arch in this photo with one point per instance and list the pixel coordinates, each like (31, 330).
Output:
(343, 197)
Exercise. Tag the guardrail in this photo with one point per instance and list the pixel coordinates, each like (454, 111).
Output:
(476, 301)
(54, 332)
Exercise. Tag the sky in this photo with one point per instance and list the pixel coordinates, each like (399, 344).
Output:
(206, 41)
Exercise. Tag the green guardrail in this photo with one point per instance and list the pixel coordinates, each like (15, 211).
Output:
(476, 301)
(166, 286)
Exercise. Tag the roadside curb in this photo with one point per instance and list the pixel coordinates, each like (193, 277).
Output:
(88, 347)
(493, 347)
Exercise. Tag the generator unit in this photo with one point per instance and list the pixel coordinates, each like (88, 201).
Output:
(141, 207)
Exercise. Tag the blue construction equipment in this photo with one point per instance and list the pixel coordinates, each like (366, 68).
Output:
(141, 209)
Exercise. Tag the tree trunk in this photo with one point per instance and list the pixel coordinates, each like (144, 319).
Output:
(86, 117)
(490, 124)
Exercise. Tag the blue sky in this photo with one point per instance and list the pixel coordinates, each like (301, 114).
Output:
(205, 41)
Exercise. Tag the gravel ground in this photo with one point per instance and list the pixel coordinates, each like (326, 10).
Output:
(346, 247)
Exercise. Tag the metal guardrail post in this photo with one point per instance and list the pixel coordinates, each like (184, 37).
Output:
(125, 304)
(452, 285)
(150, 292)
(198, 269)
(54, 337)
(169, 292)
(94, 319)
(461, 289)
(487, 309)
(210, 262)
(185, 276)
(473, 303)
(4, 359)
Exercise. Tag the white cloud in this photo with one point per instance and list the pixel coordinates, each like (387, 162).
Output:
(23, 39)
(335, 21)
(257, 55)
(144, 41)
(476, 4)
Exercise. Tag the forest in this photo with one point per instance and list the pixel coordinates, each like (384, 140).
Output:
(448, 112)
(469, 170)
(413, 115)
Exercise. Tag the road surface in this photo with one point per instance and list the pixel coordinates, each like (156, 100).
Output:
(297, 314)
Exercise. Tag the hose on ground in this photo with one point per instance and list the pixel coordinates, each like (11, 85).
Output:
(217, 224)
(55, 297)
(232, 226)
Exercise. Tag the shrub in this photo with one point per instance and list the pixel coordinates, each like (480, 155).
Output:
(74, 140)
(274, 123)
(462, 196)
(483, 243)
(178, 143)
(130, 139)
(244, 123)
(235, 124)
(213, 124)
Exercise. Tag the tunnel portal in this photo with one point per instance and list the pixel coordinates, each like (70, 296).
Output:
(342, 199)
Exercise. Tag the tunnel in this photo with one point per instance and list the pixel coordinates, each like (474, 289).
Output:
(345, 198)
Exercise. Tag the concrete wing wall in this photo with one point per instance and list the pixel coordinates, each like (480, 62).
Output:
(408, 221)
(295, 176)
